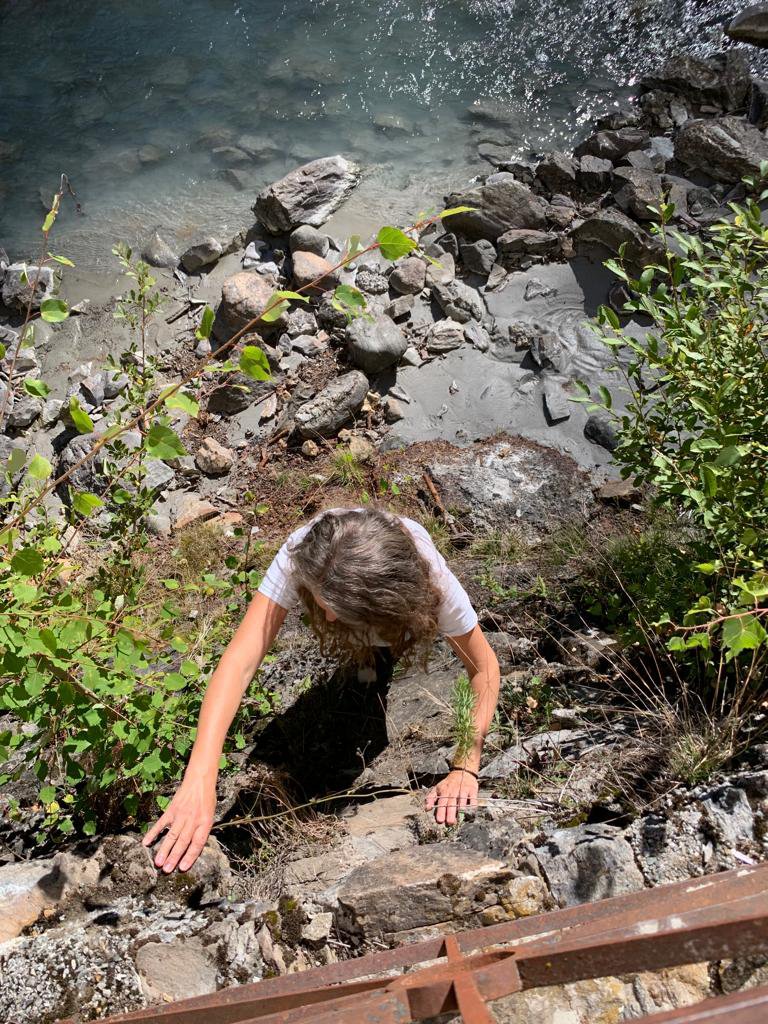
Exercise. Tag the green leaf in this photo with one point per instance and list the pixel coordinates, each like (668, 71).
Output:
(607, 314)
(53, 311)
(273, 312)
(47, 795)
(709, 480)
(84, 502)
(163, 443)
(743, 633)
(605, 395)
(27, 562)
(61, 259)
(39, 468)
(35, 386)
(82, 421)
(394, 243)
(349, 300)
(180, 400)
(290, 295)
(203, 332)
(457, 209)
(254, 363)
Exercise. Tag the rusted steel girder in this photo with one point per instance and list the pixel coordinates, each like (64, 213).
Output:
(750, 1007)
(710, 918)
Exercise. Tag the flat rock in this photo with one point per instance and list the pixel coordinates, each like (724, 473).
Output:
(415, 888)
(588, 863)
(522, 241)
(178, 969)
(722, 81)
(499, 205)
(374, 345)
(612, 144)
(334, 407)
(557, 172)
(308, 267)
(444, 336)
(637, 190)
(459, 301)
(27, 889)
(16, 294)
(726, 148)
(521, 754)
(307, 195)
(612, 228)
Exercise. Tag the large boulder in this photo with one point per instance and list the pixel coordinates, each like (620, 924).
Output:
(17, 282)
(611, 228)
(307, 195)
(751, 26)
(612, 144)
(499, 205)
(726, 148)
(244, 296)
(722, 80)
(326, 413)
(409, 276)
(557, 172)
(373, 345)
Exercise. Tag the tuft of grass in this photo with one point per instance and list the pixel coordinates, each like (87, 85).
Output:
(438, 531)
(463, 732)
(346, 470)
(498, 546)
(694, 756)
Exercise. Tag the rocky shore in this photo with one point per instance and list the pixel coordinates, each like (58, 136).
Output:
(464, 367)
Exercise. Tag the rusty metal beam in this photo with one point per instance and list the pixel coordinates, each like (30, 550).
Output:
(750, 1007)
(707, 918)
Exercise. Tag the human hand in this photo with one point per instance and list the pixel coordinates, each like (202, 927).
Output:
(188, 819)
(457, 791)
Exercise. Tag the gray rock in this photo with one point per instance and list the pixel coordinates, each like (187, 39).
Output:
(751, 25)
(399, 308)
(477, 335)
(308, 345)
(726, 148)
(331, 409)
(594, 173)
(158, 253)
(642, 160)
(316, 932)
(668, 847)
(557, 403)
(548, 351)
(158, 475)
(50, 411)
(201, 255)
(522, 754)
(24, 412)
(394, 410)
(442, 272)
(758, 103)
(459, 302)
(16, 294)
(305, 238)
(409, 276)
(243, 297)
(499, 205)
(372, 282)
(587, 863)
(260, 148)
(522, 241)
(373, 345)
(557, 172)
(721, 81)
(479, 256)
(636, 190)
(178, 969)
(730, 813)
(406, 890)
(235, 392)
(300, 320)
(600, 429)
(661, 148)
(612, 228)
(611, 145)
(307, 195)
(114, 383)
(444, 336)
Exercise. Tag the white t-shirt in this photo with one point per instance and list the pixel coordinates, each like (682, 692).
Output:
(456, 616)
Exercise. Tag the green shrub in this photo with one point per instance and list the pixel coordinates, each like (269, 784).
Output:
(695, 427)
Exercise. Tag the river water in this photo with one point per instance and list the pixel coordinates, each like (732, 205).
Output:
(142, 103)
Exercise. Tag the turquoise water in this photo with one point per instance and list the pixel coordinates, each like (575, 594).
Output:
(137, 102)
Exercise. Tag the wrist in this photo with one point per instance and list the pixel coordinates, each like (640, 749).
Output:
(461, 769)
(201, 775)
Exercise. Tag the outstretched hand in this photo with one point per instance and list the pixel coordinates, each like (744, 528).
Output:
(188, 819)
(457, 791)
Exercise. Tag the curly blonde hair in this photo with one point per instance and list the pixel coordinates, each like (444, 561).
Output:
(364, 566)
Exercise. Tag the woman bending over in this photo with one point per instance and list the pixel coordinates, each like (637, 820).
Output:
(368, 580)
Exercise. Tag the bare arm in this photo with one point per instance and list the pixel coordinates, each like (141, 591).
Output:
(459, 789)
(189, 816)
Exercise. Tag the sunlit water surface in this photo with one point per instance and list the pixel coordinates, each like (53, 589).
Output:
(132, 100)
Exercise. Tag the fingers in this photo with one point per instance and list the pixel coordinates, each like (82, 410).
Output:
(179, 848)
(195, 848)
(449, 803)
(431, 799)
(162, 822)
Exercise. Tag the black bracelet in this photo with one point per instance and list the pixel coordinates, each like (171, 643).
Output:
(473, 774)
